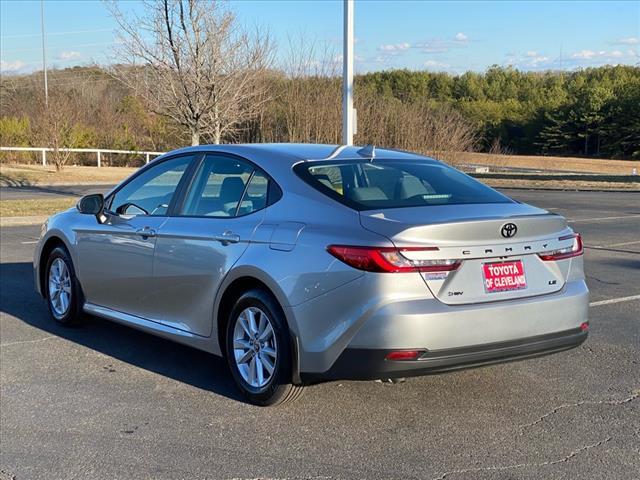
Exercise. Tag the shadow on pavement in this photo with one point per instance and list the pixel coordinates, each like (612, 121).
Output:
(182, 363)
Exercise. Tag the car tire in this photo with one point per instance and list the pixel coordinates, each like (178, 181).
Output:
(258, 350)
(62, 289)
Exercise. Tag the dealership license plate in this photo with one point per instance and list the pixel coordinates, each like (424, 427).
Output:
(504, 276)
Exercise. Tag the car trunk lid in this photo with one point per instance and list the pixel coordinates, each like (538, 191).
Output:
(493, 265)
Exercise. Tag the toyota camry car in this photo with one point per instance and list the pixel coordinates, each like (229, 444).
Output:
(305, 263)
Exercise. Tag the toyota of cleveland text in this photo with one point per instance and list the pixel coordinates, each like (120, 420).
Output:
(302, 263)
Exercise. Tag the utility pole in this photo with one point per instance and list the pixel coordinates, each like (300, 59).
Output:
(44, 58)
(348, 113)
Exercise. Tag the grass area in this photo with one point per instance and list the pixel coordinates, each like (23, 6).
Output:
(569, 164)
(17, 175)
(561, 184)
(24, 175)
(35, 206)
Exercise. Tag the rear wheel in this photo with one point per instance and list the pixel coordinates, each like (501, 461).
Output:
(259, 350)
(62, 289)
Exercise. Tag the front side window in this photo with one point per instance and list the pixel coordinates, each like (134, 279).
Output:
(150, 193)
(226, 187)
(365, 185)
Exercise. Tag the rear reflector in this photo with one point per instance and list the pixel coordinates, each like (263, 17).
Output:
(404, 355)
(389, 259)
(584, 326)
(566, 252)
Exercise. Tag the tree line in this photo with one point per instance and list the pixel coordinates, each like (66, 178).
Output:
(591, 112)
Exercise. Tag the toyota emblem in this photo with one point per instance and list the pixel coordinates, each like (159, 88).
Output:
(509, 230)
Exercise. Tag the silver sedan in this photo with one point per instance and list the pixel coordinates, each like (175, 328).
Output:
(304, 263)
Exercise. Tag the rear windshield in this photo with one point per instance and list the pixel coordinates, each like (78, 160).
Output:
(365, 185)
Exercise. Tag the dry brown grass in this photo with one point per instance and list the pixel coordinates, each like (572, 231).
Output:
(22, 175)
(35, 206)
(37, 175)
(574, 164)
(560, 184)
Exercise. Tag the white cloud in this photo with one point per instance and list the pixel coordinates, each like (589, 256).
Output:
(629, 41)
(435, 64)
(11, 66)
(438, 45)
(530, 59)
(68, 55)
(460, 37)
(590, 54)
(433, 46)
(394, 47)
(585, 54)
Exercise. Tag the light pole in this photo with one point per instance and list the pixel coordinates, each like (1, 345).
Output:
(348, 113)
(44, 58)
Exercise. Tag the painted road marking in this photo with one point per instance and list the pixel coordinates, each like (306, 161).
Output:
(623, 243)
(614, 300)
(29, 242)
(601, 218)
(20, 342)
(606, 246)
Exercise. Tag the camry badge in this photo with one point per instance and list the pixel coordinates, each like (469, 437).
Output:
(509, 230)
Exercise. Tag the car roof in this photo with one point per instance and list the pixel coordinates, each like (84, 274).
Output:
(291, 153)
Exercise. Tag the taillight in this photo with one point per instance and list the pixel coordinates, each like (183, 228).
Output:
(566, 252)
(389, 259)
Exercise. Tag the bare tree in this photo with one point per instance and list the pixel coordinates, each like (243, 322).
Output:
(193, 63)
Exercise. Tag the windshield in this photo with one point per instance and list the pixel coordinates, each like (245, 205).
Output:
(365, 185)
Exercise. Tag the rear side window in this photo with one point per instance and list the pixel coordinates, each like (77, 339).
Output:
(381, 184)
(226, 187)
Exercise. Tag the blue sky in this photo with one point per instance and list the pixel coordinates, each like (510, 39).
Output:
(438, 36)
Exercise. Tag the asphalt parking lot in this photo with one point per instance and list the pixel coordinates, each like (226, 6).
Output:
(105, 401)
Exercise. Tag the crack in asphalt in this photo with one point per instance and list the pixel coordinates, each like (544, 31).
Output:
(496, 468)
(591, 277)
(20, 342)
(541, 419)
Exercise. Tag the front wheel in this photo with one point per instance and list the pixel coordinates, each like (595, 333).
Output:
(62, 288)
(259, 350)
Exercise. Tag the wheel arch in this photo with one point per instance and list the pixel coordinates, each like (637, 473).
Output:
(48, 246)
(242, 280)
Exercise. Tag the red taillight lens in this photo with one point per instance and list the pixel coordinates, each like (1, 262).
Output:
(404, 355)
(566, 252)
(389, 259)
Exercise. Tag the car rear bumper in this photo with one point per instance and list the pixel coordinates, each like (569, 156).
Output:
(368, 364)
(375, 322)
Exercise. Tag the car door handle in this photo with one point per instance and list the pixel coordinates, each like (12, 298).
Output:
(227, 237)
(146, 232)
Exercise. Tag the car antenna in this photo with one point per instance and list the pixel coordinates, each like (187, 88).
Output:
(368, 151)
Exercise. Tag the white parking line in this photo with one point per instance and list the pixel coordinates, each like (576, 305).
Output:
(20, 342)
(29, 242)
(622, 244)
(614, 300)
(613, 244)
(601, 218)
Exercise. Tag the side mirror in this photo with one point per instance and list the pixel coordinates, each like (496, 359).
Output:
(92, 205)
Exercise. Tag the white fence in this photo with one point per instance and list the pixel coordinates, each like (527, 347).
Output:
(98, 151)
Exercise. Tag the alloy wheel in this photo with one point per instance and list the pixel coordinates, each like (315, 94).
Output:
(255, 348)
(59, 288)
